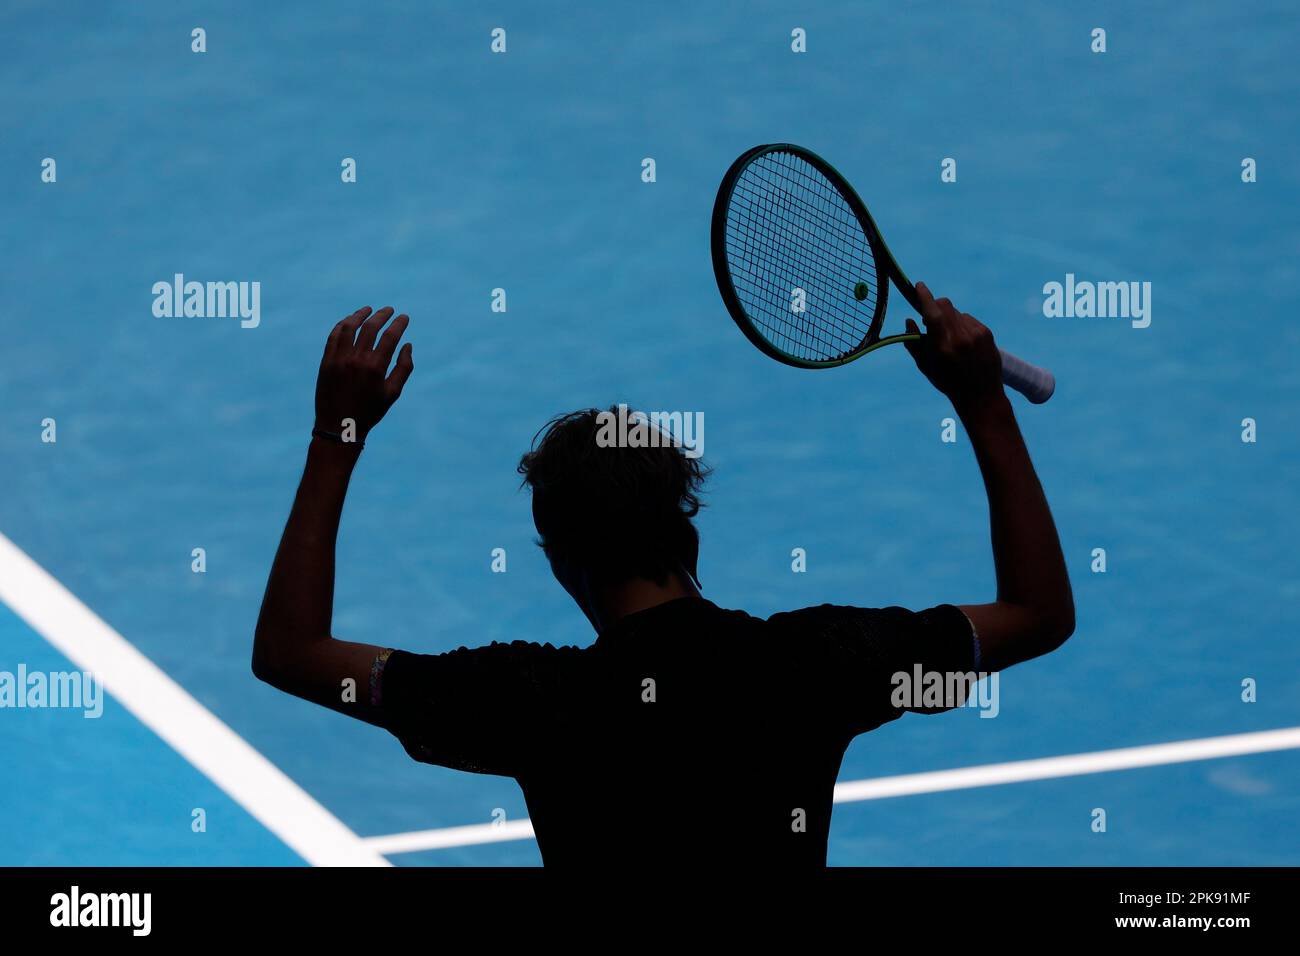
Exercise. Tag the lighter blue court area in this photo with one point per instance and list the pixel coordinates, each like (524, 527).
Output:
(522, 171)
(90, 786)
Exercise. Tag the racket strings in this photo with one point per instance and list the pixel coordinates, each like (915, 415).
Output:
(759, 270)
(789, 228)
(823, 238)
(835, 337)
(796, 253)
(830, 339)
(793, 254)
(813, 203)
(798, 333)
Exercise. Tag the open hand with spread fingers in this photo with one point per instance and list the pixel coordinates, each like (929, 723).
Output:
(355, 388)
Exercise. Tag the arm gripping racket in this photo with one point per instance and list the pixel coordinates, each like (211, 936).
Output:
(804, 271)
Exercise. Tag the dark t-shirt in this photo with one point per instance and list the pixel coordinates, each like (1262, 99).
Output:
(685, 734)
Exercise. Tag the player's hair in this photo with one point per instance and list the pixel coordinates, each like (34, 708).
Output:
(616, 512)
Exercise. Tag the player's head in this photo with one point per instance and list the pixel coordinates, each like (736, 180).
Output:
(607, 512)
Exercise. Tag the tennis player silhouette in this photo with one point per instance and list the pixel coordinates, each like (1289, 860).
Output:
(686, 733)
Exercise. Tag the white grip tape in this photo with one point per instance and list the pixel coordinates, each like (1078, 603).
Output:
(1036, 384)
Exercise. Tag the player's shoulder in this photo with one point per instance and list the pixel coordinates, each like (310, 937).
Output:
(521, 666)
(495, 654)
(533, 647)
(819, 618)
(520, 648)
(830, 615)
(848, 626)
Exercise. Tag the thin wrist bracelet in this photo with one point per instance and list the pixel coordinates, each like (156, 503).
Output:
(335, 436)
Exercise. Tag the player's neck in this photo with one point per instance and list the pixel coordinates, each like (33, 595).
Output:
(616, 602)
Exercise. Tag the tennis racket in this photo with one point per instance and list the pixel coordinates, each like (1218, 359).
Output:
(804, 271)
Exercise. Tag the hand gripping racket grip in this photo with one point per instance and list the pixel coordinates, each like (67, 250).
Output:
(1036, 384)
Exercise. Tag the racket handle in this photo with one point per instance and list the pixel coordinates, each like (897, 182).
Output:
(1036, 384)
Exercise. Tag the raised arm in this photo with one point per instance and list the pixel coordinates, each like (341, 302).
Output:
(293, 648)
(1034, 610)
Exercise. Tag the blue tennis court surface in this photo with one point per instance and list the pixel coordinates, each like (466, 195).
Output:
(522, 171)
(105, 791)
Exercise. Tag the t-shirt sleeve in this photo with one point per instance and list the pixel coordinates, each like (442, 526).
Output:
(477, 709)
(863, 667)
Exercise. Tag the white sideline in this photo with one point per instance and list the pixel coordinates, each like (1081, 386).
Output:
(1071, 765)
(169, 711)
(472, 835)
(936, 781)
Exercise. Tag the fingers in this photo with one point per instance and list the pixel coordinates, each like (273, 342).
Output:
(332, 342)
(349, 326)
(913, 346)
(402, 370)
(927, 300)
(942, 320)
(361, 329)
(371, 326)
(392, 335)
(933, 310)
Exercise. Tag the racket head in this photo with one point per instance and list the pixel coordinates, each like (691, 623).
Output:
(786, 220)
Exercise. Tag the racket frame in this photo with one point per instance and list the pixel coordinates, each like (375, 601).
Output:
(887, 269)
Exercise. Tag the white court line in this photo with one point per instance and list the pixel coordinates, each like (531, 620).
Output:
(164, 707)
(471, 835)
(1071, 765)
(937, 781)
